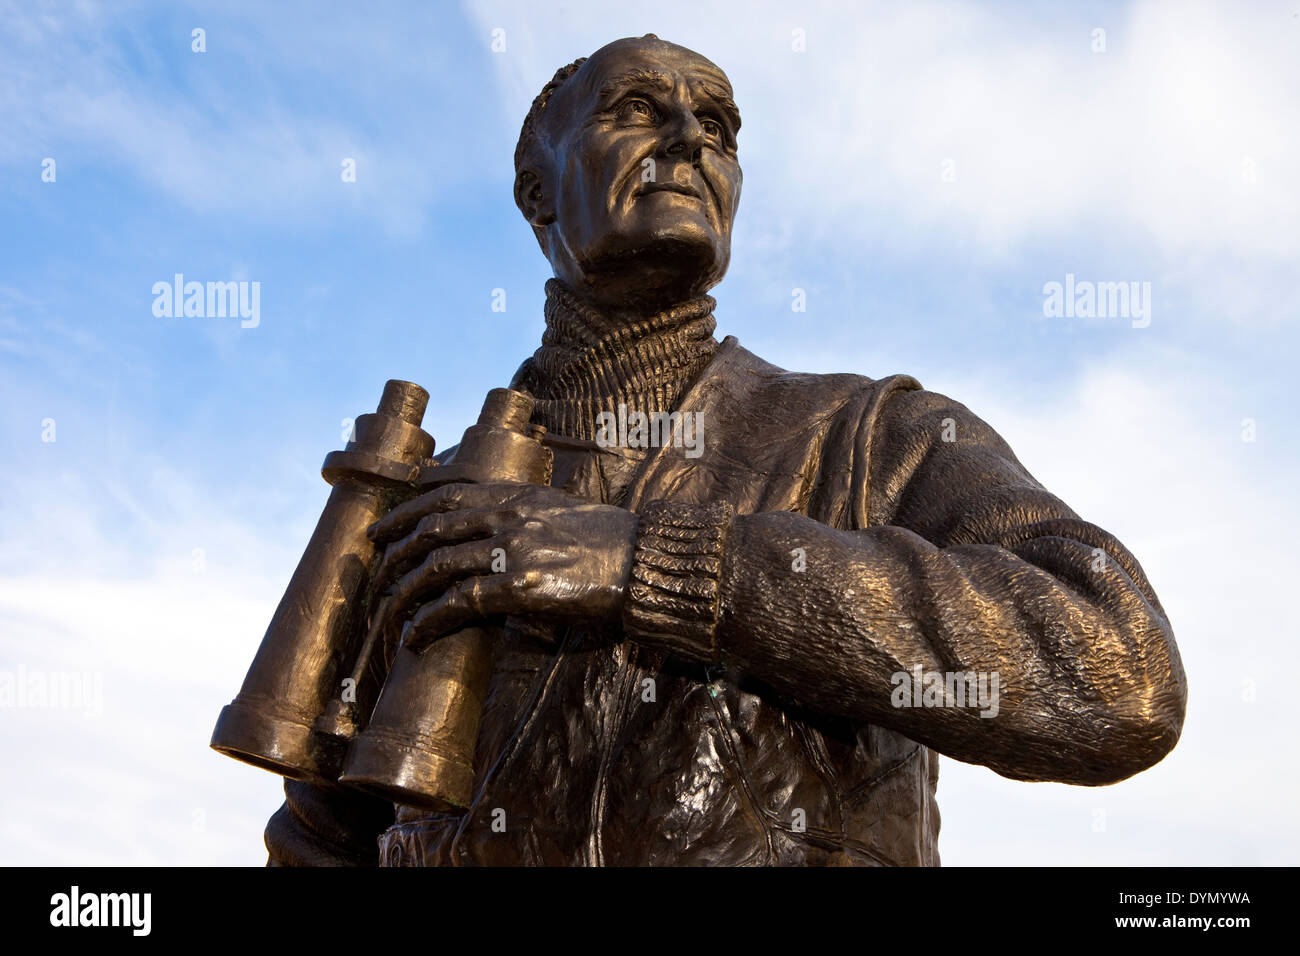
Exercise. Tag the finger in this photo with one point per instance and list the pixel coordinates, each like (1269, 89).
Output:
(453, 497)
(437, 530)
(402, 519)
(441, 569)
(464, 603)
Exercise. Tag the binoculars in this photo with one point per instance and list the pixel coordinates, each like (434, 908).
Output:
(321, 702)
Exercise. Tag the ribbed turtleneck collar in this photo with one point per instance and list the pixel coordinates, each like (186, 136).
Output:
(590, 363)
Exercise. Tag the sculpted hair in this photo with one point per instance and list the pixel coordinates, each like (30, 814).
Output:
(528, 133)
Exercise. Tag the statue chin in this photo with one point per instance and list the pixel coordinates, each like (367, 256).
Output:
(670, 267)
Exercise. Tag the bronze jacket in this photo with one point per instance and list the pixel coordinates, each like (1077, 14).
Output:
(835, 533)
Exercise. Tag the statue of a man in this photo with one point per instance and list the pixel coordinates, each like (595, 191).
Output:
(750, 647)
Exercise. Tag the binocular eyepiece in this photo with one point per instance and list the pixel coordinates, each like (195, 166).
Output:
(318, 703)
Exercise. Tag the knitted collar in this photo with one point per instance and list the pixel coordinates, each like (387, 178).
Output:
(589, 363)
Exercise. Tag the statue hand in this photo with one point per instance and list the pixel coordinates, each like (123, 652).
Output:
(479, 550)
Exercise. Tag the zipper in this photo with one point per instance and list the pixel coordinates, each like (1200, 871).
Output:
(625, 679)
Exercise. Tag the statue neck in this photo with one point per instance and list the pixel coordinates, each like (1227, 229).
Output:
(591, 362)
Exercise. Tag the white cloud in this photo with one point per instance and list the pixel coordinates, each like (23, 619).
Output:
(161, 598)
(136, 784)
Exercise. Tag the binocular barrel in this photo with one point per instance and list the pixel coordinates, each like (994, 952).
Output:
(314, 637)
(418, 748)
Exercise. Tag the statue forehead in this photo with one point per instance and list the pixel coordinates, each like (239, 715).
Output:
(632, 56)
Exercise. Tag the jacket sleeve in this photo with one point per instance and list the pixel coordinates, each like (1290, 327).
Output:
(326, 826)
(963, 568)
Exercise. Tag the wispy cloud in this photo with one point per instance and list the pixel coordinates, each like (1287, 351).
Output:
(219, 131)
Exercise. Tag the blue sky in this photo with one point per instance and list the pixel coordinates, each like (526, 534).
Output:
(920, 170)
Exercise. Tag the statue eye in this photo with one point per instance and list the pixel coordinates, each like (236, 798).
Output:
(711, 127)
(636, 106)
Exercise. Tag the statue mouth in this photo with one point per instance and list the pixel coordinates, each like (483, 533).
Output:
(681, 190)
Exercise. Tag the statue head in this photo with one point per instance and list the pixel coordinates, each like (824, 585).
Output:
(626, 169)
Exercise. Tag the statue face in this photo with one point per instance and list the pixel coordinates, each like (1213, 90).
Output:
(637, 176)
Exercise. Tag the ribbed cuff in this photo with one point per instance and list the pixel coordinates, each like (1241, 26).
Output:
(673, 591)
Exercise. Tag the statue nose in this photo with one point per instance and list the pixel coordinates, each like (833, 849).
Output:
(686, 150)
(679, 149)
(687, 139)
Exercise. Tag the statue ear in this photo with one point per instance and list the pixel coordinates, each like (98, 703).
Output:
(533, 199)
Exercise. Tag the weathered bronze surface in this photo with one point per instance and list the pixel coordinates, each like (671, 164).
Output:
(418, 748)
(312, 639)
(744, 611)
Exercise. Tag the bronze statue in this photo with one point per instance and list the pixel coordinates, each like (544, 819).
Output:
(732, 615)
